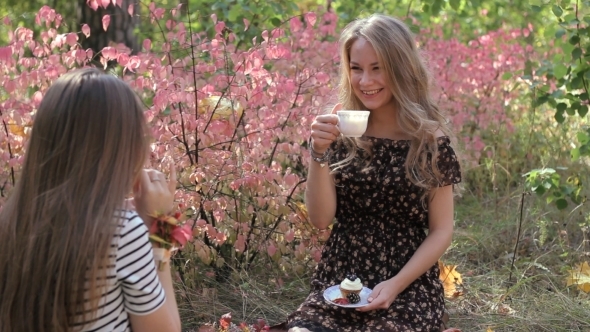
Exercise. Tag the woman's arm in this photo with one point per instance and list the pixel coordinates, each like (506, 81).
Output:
(153, 195)
(320, 195)
(164, 319)
(440, 234)
(320, 192)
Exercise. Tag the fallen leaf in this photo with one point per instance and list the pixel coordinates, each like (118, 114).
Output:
(580, 276)
(206, 328)
(450, 279)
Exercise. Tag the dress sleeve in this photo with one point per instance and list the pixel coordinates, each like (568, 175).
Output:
(447, 163)
(136, 270)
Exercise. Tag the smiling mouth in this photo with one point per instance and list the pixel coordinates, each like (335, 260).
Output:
(371, 92)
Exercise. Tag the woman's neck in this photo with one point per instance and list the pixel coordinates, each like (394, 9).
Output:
(383, 124)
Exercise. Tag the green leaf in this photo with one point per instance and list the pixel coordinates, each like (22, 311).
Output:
(275, 21)
(576, 83)
(559, 33)
(574, 40)
(455, 4)
(234, 13)
(559, 70)
(557, 10)
(559, 117)
(561, 203)
(436, 7)
(507, 76)
(583, 137)
(576, 53)
(575, 154)
(583, 110)
(540, 190)
(561, 107)
(571, 111)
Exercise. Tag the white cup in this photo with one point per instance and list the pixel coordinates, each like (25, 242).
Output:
(353, 123)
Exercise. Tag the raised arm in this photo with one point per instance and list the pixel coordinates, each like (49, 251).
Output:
(156, 195)
(320, 193)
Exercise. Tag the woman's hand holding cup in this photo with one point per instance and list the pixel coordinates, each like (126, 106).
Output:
(324, 130)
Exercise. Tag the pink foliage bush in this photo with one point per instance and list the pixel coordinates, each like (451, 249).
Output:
(471, 85)
(234, 122)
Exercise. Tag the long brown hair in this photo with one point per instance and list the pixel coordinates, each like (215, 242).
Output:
(87, 146)
(410, 83)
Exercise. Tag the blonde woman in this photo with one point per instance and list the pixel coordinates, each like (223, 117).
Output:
(391, 190)
(72, 256)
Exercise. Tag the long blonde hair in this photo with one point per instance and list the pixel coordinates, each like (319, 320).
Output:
(409, 80)
(87, 146)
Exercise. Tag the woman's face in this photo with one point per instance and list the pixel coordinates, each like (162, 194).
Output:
(369, 81)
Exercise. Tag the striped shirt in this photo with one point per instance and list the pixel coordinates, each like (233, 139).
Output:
(133, 283)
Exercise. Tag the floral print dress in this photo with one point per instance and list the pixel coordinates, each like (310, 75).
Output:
(381, 222)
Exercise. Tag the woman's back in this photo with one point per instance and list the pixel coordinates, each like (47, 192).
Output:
(57, 229)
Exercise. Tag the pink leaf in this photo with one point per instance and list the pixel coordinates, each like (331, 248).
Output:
(246, 24)
(310, 18)
(271, 249)
(5, 53)
(37, 97)
(106, 20)
(290, 235)
(92, 4)
(130, 9)
(219, 27)
(240, 243)
(72, 39)
(105, 3)
(147, 45)
(182, 234)
(221, 238)
(214, 18)
(86, 30)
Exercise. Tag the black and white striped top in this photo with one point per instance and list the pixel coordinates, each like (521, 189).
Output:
(133, 283)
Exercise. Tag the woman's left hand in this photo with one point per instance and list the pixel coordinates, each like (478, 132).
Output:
(382, 296)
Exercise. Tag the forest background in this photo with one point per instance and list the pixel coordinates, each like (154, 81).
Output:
(231, 88)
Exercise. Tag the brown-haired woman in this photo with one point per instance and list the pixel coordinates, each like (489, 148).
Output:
(72, 257)
(385, 189)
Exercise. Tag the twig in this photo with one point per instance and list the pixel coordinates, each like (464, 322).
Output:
(517, 235)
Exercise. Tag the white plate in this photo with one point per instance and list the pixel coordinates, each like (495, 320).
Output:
(333, 292)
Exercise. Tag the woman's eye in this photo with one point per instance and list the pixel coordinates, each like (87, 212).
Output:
(354, 68)
(375, 68)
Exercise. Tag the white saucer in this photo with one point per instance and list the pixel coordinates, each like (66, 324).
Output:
(333, 292)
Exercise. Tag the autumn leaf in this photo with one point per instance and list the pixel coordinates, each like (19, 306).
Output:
(580, 276)
(224, 107)
(450, 279)
(301, 211)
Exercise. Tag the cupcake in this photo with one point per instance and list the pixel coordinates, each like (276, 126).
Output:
(350, 285)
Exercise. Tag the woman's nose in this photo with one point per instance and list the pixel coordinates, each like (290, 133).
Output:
(365, 78)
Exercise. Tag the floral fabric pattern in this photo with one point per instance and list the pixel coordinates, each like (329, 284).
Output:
(381, 222)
